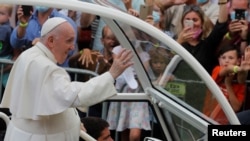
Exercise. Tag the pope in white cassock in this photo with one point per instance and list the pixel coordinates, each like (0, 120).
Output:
(40, 94)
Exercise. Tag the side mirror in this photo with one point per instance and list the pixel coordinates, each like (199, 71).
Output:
(151, 139)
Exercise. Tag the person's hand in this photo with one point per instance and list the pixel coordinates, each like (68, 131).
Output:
(133, 12)
(35, 41)
(230, 75)
(20, 15)
(86, 57)
(121, 61)
(127, 3)
(244, 29)
(245, 60)
(72, 15)
(229, 79)
(234, 27)
(186, 35)
(150, 20)
(164, 4)
(244, 66)
(101, 57)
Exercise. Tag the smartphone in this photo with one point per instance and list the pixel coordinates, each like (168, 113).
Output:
(27, 9)
(189, 23)
(240, 14)
(145, 10)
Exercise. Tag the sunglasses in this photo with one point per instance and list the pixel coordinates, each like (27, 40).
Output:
(189, 8)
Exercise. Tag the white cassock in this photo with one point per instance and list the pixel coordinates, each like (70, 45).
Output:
(42, 98)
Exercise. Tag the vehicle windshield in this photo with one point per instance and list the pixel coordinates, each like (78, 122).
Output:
(170, 74)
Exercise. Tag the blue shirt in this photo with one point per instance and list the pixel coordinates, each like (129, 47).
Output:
(5, 32)
(33, 30)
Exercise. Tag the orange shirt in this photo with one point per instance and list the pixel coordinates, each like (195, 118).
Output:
(239, 89)
(211, 106)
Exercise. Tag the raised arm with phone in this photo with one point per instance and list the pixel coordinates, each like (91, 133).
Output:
(145, 10)
(197, 38)
(238, 27)
(27, 10)
(239, 14)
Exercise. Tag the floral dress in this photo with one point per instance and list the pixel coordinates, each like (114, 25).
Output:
(127, 115)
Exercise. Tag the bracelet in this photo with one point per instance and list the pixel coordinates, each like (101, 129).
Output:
(235, 69)
(228, 36)
(23, 24)
(222, 2)
(243, 40)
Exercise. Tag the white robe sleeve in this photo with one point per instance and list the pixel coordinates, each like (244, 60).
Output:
(37, 87)
(64, 94)
(95, 92)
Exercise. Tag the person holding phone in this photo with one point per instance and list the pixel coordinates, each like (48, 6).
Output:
(6, 51)
(238, 34)
(238, 27)
(172, 11)
(28, 29)
(27, 10)
(195, 36)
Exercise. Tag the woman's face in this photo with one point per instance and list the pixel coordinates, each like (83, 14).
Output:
(195, 18)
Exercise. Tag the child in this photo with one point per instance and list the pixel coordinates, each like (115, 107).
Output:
(129, 118)
(5, 30)
(225, 75)
(159, 59)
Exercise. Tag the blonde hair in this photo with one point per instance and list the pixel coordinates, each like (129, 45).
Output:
(207, 24)
(8, 6)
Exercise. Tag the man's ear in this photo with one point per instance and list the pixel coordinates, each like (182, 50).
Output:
(102, 40)
(50, 41)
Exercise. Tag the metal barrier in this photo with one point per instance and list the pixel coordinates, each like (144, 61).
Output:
(3, 62)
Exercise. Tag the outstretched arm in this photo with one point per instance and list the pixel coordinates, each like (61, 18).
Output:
(223, 11)
(165, 4)
(21, 29)
(128, 4)
(245, 66)
(233, 100)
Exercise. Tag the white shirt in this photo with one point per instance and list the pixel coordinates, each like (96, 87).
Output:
(212, 11)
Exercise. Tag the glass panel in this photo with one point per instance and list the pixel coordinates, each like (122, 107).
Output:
(172, 75)
(186, 131)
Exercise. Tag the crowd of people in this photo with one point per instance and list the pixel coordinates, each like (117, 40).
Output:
(216, 33)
